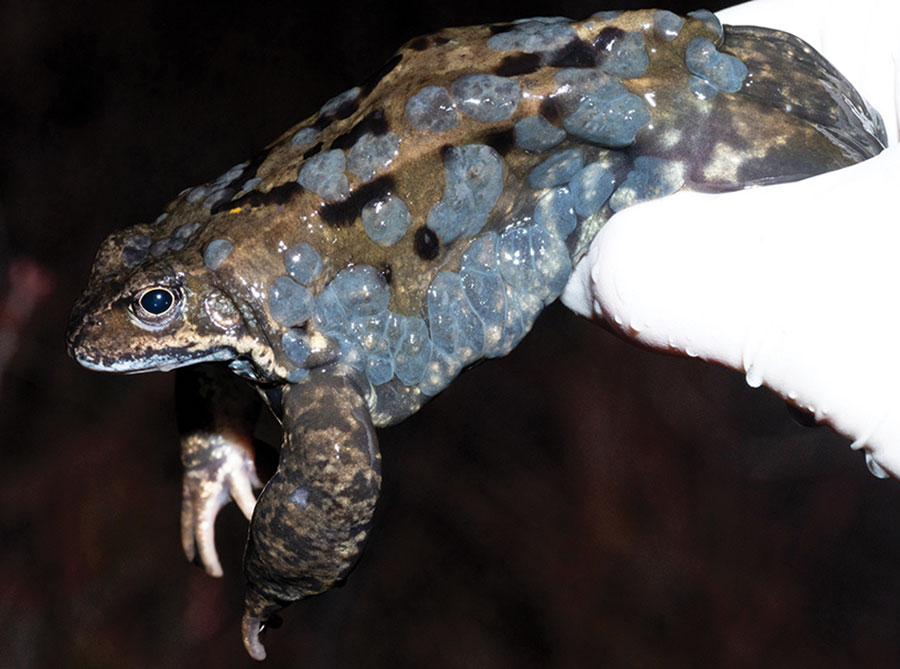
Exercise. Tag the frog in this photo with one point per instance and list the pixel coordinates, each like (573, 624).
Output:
(415, 225)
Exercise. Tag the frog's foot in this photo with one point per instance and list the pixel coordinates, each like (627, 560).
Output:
(252, 627)
(312, 519)
(222, 470)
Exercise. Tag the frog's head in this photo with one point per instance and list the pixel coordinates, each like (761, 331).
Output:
(154, 305)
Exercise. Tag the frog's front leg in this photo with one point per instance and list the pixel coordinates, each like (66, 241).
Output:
(313, 517)
(217, 412)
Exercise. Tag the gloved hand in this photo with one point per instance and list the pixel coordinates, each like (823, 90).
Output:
(794, 285)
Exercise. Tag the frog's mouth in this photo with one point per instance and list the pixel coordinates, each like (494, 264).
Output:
(141, 365)
(89, 347)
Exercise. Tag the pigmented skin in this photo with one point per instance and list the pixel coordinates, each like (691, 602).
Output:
(417, 224)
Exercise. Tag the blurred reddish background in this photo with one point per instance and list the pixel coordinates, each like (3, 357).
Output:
(579, 503)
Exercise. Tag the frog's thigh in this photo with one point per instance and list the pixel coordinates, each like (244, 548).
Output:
(216, 412)
(313, 516)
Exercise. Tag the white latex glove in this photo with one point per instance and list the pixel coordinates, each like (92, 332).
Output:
(795, 285)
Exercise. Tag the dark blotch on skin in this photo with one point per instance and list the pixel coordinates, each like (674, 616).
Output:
(253, 167)
(346, 109)
(387, 273)
(440, 40)
(337, 214)
(576, 53)
(313, 150)
(502, 141)
(222, 196)
(280, 195)
(521, 63)
(605, 39)
(426, 243)
(373, 122)
(373, 79)
(419, 43)
(248, 173)
(550, 110)
(445, 149)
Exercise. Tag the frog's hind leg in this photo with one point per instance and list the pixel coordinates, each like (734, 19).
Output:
(217, 412)
(313, 517)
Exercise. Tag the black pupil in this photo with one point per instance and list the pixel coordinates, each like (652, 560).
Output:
(156, 301)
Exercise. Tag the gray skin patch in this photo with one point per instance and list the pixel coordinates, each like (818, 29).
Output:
(651, 178)
(251, 183)
(174, 242)
(537, 134)
(535, 263)
(295, 344)
(352, 311)
(303, 263)
(338, 101)
(159, 247)
(432, 110)
(626, 56)
(534, 36)
(217, 197)
(667, 24)
(721, 70)
(304, 137)
(455, 328)
(229, 176)
(473, 176)
(361, 290)
(490, 296)
(216, 252)
(134, 249)
(607, 16)
(701, 88)
(385, 220)
(324, 174)
(710, 21)
(557, 169)
(289, 302)
(591, 187)
(185, 231)
(605, 112)
(556, 212)
(486, 97)
(411, 347)
(219, 191)
(372, 154)
(197, 194)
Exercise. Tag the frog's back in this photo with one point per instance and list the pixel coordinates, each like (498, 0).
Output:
(421, 221)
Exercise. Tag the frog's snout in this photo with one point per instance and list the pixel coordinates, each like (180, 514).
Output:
(80, 324)
(75, 333)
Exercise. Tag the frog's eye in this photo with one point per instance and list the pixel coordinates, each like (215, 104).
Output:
(156, 305)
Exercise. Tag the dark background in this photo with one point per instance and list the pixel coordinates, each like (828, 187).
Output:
(579, 503)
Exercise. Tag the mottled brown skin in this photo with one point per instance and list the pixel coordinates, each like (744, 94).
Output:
(313, 516)
(794, 116)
